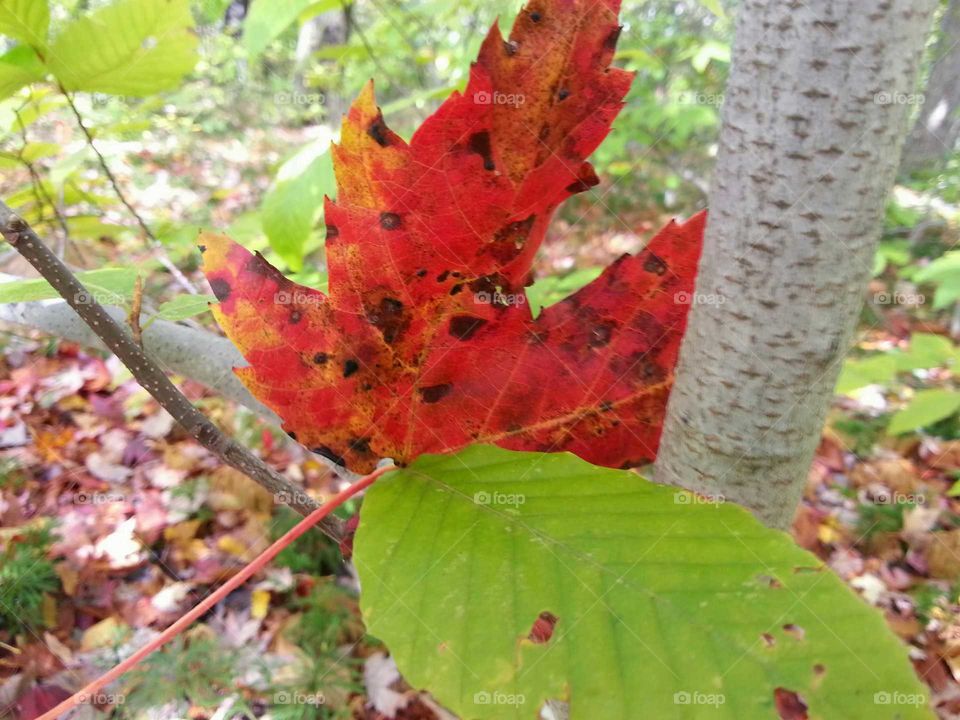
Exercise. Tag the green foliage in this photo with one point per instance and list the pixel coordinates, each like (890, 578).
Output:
(312, 553)
(25, 575)
(549, 290)
(658, 597)
(18, 67)
(25, 20)
(293, 204)
(926, 408)
(132, 47)
(111, 286)
(198, 670)
(182, 307)
(267, 19)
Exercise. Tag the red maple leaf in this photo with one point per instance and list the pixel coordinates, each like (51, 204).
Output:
(423, 343)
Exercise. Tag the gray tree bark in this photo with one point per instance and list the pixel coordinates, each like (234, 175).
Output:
(935, 134)
(813, 124)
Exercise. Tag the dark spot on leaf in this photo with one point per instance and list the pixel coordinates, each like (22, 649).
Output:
(292, 435)
(819, 669)
(295, 317)
(360, 445)
(455, 290)
(350, 367)
(389, 221)
(768, 639)
(442, 277)
(542, 629)
(538, 337)
(611, 42)
(435, 393)
(789, 705)
(330, 455)
(606, 406)
(422, 272)
(464, 327)
(388, 317)
(544, 133)
(378, 131)
(536, 17)
(221, 288)
(321, 358)
(258, 265)
(601, 333)
(479, 143)
(655, 265)
(563, 94)
(510, 239)
(203, 249)
(332, 231)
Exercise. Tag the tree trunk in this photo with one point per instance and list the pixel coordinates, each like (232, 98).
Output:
(808, 152)
(934, 136)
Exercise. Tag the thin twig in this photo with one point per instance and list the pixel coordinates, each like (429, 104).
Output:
(181, 279)
(211, 600)
(39, 190)
(149, 374)
(136, 307)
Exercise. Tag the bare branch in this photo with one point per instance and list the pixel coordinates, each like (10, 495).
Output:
(149, 374)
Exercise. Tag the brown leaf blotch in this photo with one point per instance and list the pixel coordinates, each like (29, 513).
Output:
(435, 393)
(464, 327)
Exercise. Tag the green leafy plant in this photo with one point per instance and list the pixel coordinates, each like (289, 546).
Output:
(26, 574)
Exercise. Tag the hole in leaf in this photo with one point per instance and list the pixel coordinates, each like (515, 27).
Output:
(542, 629)
(794, 630)
(789, 705)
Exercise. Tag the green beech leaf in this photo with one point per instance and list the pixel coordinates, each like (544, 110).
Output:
(858, 373)
(132, 47)
(666, 605)
(292, 206)
(18, 68)
(25, 20)
(184, 306)
(268, 18)
(926, 408)
(108, 286)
